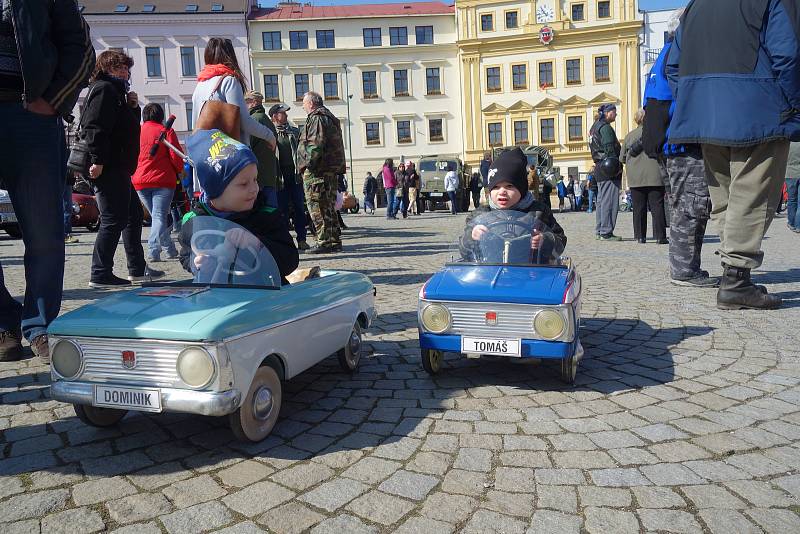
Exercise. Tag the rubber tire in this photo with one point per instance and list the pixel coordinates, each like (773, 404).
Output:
(97, 416)
(432, 360)
(347, 360)
(569, 369)
(355, 209)
(244, 424)
(430, 205)
(14, 231)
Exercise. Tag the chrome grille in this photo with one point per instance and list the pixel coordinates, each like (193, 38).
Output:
(512, 321)
(155, 361)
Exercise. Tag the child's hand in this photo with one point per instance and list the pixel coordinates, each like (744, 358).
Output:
(478, 231)
(536, 240)
(199, 260)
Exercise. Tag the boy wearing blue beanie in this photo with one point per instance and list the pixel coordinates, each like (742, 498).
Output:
(227, 171)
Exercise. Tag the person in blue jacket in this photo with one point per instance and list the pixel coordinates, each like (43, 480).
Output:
(734, 69)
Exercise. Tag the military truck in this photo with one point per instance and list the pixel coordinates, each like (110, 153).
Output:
(540, 158)
(432, 170)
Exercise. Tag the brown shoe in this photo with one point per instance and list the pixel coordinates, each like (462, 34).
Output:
(41, 348)
(10, 345)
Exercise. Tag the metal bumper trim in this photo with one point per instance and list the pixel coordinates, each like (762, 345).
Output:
(213, 403)
(531, 348)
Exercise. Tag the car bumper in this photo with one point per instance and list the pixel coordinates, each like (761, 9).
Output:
(531, 348)
(213, 403)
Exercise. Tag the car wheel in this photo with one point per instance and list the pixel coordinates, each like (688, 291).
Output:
(432, 360)
(92, 227)
(14, 231)
(569, 369)
(350, 355)
(254, 419)
(100, 417)
(355, 208)
(429, 205)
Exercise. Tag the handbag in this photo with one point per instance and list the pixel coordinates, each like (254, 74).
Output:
(80, 159)
(219, 115)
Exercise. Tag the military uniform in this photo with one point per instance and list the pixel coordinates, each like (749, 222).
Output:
(690, 210)
(320, 158)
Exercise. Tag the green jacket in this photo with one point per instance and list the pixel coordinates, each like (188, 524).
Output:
(321, 147)
(267, 160)
(643, 171)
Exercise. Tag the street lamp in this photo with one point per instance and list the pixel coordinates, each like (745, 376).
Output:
(348, 96)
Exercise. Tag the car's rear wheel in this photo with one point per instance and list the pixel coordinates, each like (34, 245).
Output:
(432, 360)
(355, 208)
(569, 369)
(430, 205)
(100, 417)
(350, 355)
(254, 419)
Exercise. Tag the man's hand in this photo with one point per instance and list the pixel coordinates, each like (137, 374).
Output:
(199, 260)
(95, 171)
(478, 232)
(133, 99)
(40, 106)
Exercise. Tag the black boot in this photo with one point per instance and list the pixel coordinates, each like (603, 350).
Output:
(737, 292)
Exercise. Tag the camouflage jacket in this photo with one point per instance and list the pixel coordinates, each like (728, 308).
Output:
(321, 148)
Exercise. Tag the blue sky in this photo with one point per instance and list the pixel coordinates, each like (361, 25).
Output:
(643, 4)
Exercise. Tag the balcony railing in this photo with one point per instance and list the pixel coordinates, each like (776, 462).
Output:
(650, 56)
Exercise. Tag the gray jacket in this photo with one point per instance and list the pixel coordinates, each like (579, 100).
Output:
(642, 170)
(793, 163)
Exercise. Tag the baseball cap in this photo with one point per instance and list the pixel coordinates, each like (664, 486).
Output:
(278, 107)
(253, 95)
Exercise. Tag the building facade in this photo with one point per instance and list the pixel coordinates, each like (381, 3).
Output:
(535, 72)
(395, 64)
(654, 35)
(166, 39)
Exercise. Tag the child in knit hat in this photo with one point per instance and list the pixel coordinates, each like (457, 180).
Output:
(227, 171)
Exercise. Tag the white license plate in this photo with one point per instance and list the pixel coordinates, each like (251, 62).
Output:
(499, 347)
(146, 400)
(437, 195)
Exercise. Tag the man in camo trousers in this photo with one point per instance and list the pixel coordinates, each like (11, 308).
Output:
(320, 158)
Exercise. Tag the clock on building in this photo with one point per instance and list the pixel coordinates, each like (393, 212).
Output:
(545, 13)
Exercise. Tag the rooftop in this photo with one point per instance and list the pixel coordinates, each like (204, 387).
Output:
(159, 7)
(287, 11)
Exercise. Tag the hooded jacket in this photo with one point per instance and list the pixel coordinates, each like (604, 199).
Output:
(321, 147)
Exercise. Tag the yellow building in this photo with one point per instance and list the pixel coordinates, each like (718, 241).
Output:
(519, 87)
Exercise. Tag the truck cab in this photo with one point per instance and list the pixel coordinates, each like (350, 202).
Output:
(432, 170)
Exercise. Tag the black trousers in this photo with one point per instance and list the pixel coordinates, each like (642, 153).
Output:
(642, 197)
(120, 215)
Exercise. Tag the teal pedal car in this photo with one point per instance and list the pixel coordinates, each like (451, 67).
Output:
(219, 344)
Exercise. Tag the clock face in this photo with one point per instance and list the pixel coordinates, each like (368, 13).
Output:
(545, 14)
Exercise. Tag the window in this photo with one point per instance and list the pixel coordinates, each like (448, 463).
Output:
(424, 34)
(301, 86)
(519, 77)
(495, 133)
(573, 71)
(578, 12)
(192, 8)
(546, 74)
(520, 132)
(398, 36)
(120, 8)
(601, 69)
(298, 40)
(325, 39)
(216, 8)
(153, 56)
(404, 131)
(188, 66)
(369, 83)
(433, 81)
(604, 9)
(435, 130)
(148, 8)
(372, 36)
(189, 121)
(493, 80)
(401, 82)
(271, 40)
(271, 93)
(373, 131)
(547, 128)
(487, 22)
(575, 128)
(512, 19)
(330, 85)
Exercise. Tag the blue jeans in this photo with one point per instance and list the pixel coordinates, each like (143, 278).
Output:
(793, 188)
(157, 201)
(67, 199)
(453, 204)
(34, 176)
(391, 208)
(592, 195)
(293, 194)
(272, 196)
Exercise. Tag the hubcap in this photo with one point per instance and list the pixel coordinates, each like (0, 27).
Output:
(262, 403)
(354, 345)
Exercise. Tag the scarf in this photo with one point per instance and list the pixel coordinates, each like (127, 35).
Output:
(210, 71)
(523, 204)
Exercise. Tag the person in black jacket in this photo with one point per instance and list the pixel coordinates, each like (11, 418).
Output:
(605, 149)
(46, 57)
(110, 124)
(370, 188)
(227, 171)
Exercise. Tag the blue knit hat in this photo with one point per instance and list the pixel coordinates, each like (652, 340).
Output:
(217, 160)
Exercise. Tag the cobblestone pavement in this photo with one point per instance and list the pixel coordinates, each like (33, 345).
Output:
(684, 418)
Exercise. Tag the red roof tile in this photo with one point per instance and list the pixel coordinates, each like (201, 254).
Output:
(300, 11)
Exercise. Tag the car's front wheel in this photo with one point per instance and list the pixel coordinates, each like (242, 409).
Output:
(569, 369)
(432, 360)
(254, 419)
(350, 355)
(100, 417)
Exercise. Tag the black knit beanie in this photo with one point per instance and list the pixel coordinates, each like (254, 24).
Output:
(510, 166)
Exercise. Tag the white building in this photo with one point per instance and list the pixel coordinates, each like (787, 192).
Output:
(398, 64)
(653, 38)
(166, 39)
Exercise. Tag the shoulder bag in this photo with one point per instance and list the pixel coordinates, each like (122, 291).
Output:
(219, 115)
(80, 159)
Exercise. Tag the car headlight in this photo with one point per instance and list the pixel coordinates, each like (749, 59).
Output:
(435, 318)
(549, 324)
(76, 208)
(195, 367)
(67, 359)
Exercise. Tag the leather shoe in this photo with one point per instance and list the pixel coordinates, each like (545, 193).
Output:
(320, 250)
(10, 345)
(737, 292)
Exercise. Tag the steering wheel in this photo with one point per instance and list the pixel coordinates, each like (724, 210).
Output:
(224, 253)
(495, 228)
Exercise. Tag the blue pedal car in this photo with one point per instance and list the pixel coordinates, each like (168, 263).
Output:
(508, 293)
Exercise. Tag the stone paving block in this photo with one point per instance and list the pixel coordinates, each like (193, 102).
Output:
(138, 508)
(561, 498)
(716, 470)
(659, 432)
(257, 498)
(528, 443)
(344, 523)
(433, 463)
(74, 521)
(614, 439)
(728, 522)
(159, 475)
(583, 459)
(102, 489)
(380, 507)
(560, 476)
(571, 442)
(604, 497)
(473, 459)
(448, 508)
(290, 518)
(515, 479)
(631, 456)
(10, 486)
(618, 477)
(333, 495)
(775, 521)
(650, 497)
(465, 482)
(790, 484)
(548, 522)
(678, 451)
(669, 521)
(424, 525)
(708, 496)
(243, 474)
(605, 520)
(759, 493)
(303, 476)
(245, 527)
(486, 522)
(30, 526)
(516, 504)
(371, 470)
(193, 491)
(670, 475)
(410, 485)
(197, 518)
(138, 528)
(526, 459)
(396, 448)
(109, 466)
(757, 464)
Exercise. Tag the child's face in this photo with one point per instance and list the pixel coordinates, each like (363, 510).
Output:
(505, 195)
(241, 192)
